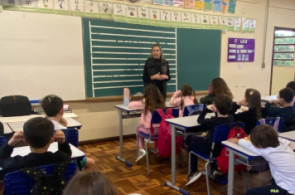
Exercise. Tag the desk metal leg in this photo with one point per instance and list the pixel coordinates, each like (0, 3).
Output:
(173, 164)
(121, 156)
(231, 167)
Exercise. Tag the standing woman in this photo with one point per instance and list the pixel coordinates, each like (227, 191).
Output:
(156, 70)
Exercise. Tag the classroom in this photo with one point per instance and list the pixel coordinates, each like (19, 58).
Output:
(44, 54)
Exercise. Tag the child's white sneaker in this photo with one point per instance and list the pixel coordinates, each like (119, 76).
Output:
(141, 154)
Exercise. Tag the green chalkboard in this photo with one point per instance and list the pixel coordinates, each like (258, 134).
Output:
(115, 54)
(198, 56)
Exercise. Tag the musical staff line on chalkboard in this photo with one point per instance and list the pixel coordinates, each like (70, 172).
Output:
(131, 29)
(129, 86)
(126, 47)
(119, 81)
(138, 36)
(99, 64)
(127, 69)
(111, 76)
(134, 53)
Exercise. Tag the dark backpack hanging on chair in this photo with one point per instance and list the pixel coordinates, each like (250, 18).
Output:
(47, 184)
(15, 105)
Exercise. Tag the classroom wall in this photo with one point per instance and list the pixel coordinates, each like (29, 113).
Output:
(100, 119)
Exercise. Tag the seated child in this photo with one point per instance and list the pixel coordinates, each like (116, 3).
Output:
(184, 97)
(281, 108)
(250, 116)
(218, 86)
(38, 134)
(222, 106)
(291, 85)
(53, 108)
(90, 183)
(264, 141)
(152, 100)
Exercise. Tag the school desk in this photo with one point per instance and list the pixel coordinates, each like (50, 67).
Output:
(243, 153)
(268, 98)
(27, 117)
(181, 123)
(290, 135)
(18, 126)
(124, 112)
(25, 150)
(7, 129)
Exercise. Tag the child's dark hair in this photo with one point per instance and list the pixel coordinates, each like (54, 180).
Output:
(153, 98)
(291, 85)
(223, 103)
(219, 86)
(253, 99)
(38, 132)
(264, 136)
(51, 105)
(287, 94)
(187, 90)
(90, 183)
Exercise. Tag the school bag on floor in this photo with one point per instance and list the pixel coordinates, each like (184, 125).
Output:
(15, 105)
(164, 135)
(223, 159)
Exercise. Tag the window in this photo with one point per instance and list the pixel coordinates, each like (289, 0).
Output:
(283, 48)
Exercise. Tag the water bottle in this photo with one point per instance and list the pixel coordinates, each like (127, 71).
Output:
(126, 95)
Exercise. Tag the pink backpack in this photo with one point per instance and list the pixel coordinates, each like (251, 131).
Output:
(164, 135)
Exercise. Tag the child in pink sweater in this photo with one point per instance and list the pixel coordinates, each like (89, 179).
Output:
(184, 97)
(152, 100)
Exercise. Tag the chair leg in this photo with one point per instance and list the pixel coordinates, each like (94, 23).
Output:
(189, 163)
(147, 157)
(208, 170)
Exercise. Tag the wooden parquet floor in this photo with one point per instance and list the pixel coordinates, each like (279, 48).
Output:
(135, 179)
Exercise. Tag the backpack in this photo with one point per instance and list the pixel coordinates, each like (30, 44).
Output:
(164, 135)
(47, 184)
(222, 159)
(15, 105)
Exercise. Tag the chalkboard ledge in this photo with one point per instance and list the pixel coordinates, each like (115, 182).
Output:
(118, 98)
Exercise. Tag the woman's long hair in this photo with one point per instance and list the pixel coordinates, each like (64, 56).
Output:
(157, 45)
(153, 98)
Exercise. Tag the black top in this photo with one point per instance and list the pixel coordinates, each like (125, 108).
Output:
(208, 99)
(210, 124)
(247, 117)
(153, 66)
(10, 164)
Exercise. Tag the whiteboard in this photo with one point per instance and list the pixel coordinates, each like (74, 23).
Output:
(41, 54)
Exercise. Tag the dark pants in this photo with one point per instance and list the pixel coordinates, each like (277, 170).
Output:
(272, 189)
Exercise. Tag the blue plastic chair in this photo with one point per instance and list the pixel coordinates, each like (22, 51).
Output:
(272, 122)
(3, 140)
(149, 138)
(220, 134)
(188, 110)
(18, 183)
(72, 136)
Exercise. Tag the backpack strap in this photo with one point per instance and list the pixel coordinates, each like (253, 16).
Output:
(161, 113)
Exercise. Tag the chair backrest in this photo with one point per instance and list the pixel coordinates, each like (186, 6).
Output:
(72, 136)
(276, 122)
(188, 110)
(156, 118)
(19, 183)
(221, 131)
